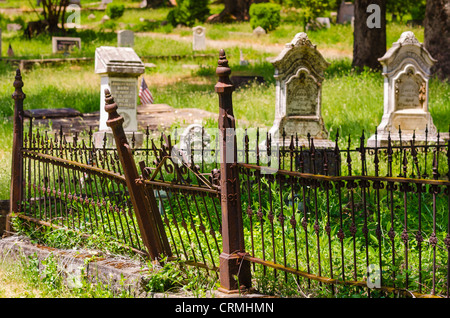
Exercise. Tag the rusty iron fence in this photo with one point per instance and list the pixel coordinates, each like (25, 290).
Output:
(370, 217)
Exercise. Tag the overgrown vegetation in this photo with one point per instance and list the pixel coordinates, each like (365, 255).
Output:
(351, 102)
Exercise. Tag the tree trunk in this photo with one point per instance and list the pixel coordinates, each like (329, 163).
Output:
(53, 13)
(437, 35)
(369, 35)
(237, 10)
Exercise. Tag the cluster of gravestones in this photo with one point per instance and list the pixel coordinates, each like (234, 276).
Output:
(299, 72)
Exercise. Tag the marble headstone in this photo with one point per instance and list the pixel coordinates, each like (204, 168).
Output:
(119, 69)
(125, 38)
(199, 38)
(64, 44)
(299, 72)
(406, 70)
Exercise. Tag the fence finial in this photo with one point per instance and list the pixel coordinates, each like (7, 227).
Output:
(111, 108)
(223, 70)
(18, 84)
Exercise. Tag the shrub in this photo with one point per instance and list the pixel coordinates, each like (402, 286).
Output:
(188, 12)
(265, 15)
(115, 10)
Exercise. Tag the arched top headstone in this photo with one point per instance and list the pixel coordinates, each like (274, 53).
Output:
(407, 50)
(299, 53)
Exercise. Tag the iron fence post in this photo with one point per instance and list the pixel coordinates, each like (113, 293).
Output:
(234, 269)
(144, 203)
(16, 191)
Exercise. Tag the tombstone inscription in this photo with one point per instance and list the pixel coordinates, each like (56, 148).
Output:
(65, 44)
(119, 69)
(406, 69)
(299, 71)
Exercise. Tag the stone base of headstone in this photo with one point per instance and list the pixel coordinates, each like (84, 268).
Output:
(301, 126)
(406, 139)
(99, 139)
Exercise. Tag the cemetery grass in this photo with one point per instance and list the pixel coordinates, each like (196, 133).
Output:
(351, 101)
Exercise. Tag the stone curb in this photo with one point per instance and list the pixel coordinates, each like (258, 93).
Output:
(117, 272)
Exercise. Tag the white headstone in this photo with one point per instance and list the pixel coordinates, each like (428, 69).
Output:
(324, 21)
(125, 38)
(406, 69)
(13, 27)
(64, 44)
(119, 69)
(299, 72)
(199, 38)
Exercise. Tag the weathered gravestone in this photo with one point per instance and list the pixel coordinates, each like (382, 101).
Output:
(119, 69)
(406, 69)
(346, 12)
(125, 38)
(199, 38)
(299, 71)
(65, 44)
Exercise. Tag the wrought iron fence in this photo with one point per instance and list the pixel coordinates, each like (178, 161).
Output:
(375, 217)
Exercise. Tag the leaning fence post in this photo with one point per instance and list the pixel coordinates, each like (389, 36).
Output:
(234, 269)
(144, 204)
(16, 191)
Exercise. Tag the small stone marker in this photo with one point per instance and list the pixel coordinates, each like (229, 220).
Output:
(258, 31)
(64, 44)
(10, 51)
(119, 69)
(299, 72)
(199, 38)
(324, 22)
(125, 38)
(346, 12)
(406, 69)
(13, 27)
(103, 4)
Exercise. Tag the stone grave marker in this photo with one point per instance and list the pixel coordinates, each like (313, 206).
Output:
(299, 72)
(125, 38)
(104, 4)
(406, 69)
(258, 31)
(13, 27)
(324, 22)
(119, 69)
(346, 12)
(199, 38)
(64, 44)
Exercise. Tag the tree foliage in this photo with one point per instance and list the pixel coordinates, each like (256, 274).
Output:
(187, 12)
(265, 15)
(310, 9)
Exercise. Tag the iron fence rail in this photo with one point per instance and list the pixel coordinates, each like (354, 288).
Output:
(352, 215)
